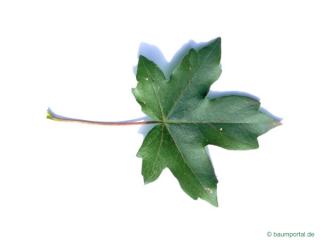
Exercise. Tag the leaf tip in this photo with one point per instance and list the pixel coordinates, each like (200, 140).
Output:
(211, 196)
(146, 181)
(213, 201)
(143, 58)
(216, 204)
(277, 123)
(216, 41)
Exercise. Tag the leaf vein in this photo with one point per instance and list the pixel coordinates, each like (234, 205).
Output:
(183, 158)
(154, 91)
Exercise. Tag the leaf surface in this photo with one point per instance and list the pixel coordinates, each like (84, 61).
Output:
(189, 120)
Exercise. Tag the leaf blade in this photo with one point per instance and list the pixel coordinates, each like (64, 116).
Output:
(152, 164)
(235, 122)
(192, 78)
(192, 168)
(190, 120)
(150, 78)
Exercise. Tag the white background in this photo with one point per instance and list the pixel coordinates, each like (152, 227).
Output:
(76, 181)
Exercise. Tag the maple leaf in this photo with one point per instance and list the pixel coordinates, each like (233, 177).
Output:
(189, 120)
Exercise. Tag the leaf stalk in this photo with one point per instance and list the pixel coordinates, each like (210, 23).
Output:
(55, 117)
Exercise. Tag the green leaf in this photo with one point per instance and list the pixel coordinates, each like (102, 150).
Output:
(189, 120)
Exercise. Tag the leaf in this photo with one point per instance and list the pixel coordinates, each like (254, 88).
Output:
(189, 120)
